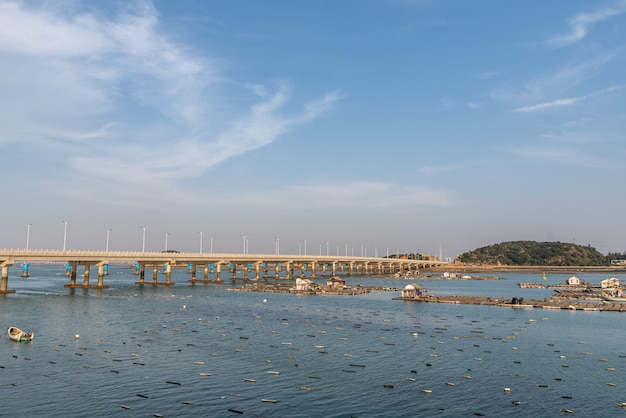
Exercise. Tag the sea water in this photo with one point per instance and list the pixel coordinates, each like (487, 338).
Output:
(201, 350)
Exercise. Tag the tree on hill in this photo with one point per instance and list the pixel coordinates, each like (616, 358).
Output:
(533, 253)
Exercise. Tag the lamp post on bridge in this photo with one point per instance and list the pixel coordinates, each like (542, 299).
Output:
(167, 234)
(64, 234)
(107, 244)
(143, 239)
(28, 235)
(244, 244)
(212, 236)
(200, 241)
(277, 246)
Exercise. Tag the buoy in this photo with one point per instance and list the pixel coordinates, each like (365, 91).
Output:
(427, 391)
(507, 390)
(264, 300)
(76, 336)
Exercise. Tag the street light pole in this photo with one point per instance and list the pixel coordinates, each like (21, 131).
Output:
(28, 235)
(64, 234)
(143, 239)
(212, 236)
(167, 234)
(244, 244)
(108, 232)
(277, 246)
(200, 241)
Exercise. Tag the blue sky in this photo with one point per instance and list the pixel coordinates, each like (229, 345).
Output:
(411, 125)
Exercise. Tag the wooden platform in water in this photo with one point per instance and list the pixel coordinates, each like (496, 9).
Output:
(525, 303)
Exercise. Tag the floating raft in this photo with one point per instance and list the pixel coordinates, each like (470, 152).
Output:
(577, 305)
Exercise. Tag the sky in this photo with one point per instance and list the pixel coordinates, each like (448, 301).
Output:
(366, 126)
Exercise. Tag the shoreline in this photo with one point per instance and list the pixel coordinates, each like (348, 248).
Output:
(525, 269)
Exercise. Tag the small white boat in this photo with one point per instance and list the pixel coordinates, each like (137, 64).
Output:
(17, 334)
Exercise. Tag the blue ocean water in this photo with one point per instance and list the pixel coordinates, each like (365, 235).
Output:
(201, 350)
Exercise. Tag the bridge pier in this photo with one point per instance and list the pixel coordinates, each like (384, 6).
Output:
(257, 268)
(155, 275)
(25, 270)
(86, 275)
(4, 281)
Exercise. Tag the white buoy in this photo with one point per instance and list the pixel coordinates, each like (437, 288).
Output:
(264, 300)
(76, 336)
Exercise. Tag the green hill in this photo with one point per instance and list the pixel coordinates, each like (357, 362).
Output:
(533, 253)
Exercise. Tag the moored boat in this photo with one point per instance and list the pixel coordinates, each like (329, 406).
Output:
(18, 335)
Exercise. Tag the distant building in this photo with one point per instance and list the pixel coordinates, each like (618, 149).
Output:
(335, 283)
(609, 283)
(413, 290)
(573, 281)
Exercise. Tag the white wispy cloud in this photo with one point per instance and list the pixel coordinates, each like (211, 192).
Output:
(570, 100)
(122, 103)
(564, 155)
(581, 23)
(548, 105)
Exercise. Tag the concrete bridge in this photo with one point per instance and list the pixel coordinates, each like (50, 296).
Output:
(283, 266)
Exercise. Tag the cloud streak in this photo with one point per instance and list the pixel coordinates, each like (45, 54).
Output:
(125, 105)
(581, 23)
(570, 101)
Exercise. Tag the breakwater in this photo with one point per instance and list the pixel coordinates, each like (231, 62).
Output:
(574, 305)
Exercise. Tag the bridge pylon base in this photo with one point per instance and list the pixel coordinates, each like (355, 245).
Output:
(88, 286)
(156, 283)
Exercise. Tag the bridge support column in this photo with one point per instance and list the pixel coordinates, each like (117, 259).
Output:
(86, 276)
(333, 267)
(168, 273)
(257, 267)
(276, 270)
(351, 269)
(206, 272)
(218, 272)
(234, 271)
(4, 281)
(101, 275)
(192, 270)
(313, 270)
(73, 267)
(155, 273)
(25, 270)
(266, 272)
